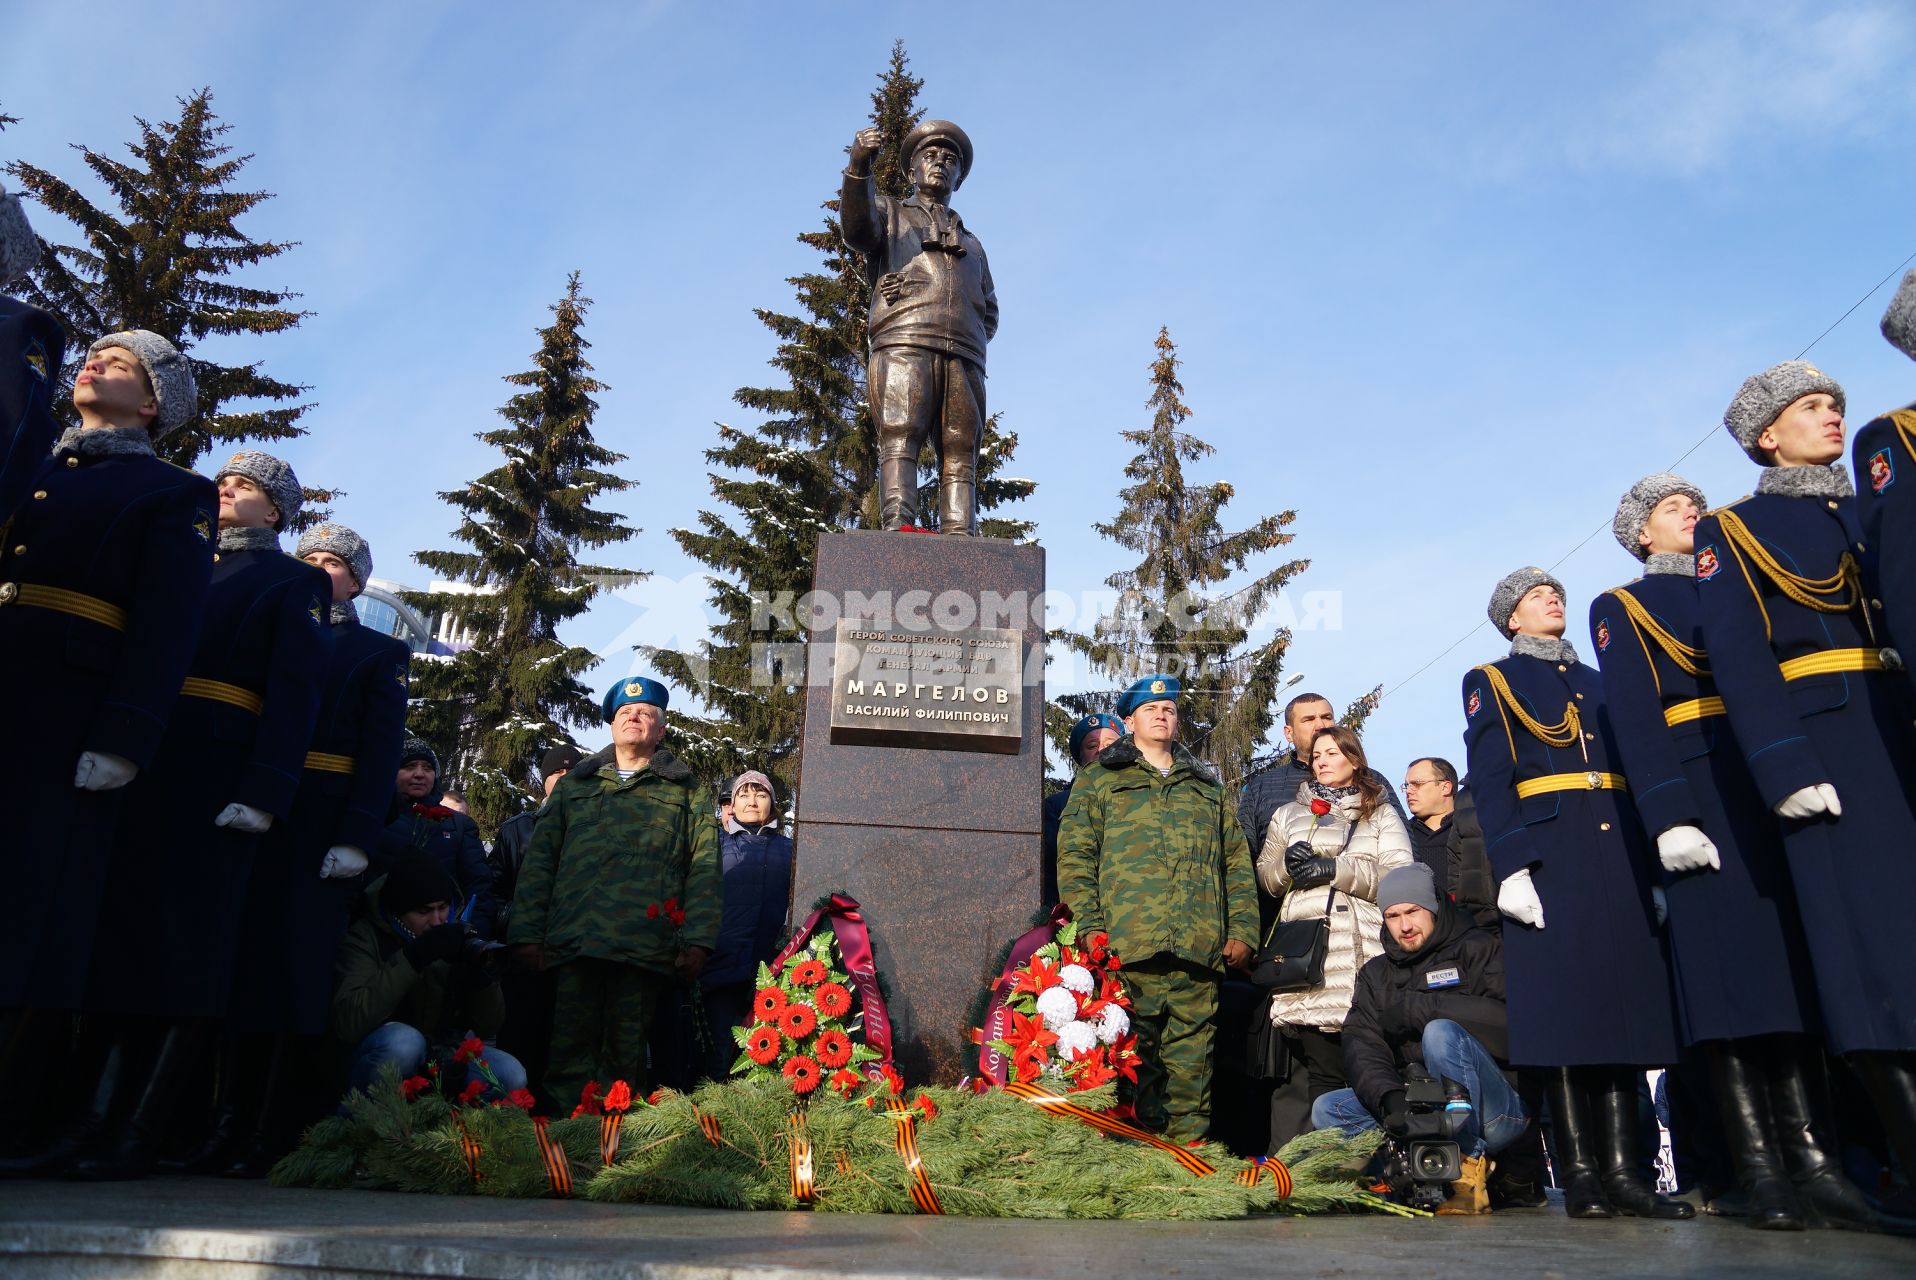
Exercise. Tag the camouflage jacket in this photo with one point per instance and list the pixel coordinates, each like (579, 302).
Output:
(604, 851)
(1157, 862)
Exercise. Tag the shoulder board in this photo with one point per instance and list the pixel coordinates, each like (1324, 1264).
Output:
(1726, 506)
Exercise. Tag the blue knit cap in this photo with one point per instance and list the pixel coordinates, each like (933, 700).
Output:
(634, 689)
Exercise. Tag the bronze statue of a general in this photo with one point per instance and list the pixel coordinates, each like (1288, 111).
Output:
(933, 310)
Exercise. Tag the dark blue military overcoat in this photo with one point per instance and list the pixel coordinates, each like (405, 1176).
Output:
(239, 735)
(1808, 706)
(1884, 464)
(1736, 944)
(293, 919)
(32, 344)
(1592, 986)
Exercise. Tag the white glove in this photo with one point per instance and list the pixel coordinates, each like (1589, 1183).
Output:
(1517, 898)
(1810, 802)
(1687, 849)
(244, 817)
(342, 862)
(1660, 901)
(103, 771)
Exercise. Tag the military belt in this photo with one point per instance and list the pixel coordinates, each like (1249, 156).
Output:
(1834, 660)
(1592, 781)
(327, 762)
(1694, 709)
(61, 600)
(219, 691)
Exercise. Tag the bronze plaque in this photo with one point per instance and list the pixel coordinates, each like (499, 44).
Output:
(962, 690)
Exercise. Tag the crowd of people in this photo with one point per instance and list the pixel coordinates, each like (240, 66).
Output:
(237, 886)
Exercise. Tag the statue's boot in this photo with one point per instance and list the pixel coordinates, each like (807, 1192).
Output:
(958, 501)
(898, 487)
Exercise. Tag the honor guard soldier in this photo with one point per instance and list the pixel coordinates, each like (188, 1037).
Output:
(232, 762)
(1150, 853)
(1885, 452)
(1745, 996)
(32, 345)
(1822, 715)
(103, 574)
(1588, 986)
(308, 870)
(1089, 736)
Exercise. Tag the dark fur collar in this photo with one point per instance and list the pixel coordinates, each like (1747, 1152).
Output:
(1124, 753)
(664, 764)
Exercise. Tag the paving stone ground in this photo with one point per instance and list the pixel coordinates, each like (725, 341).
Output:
(200, 1227)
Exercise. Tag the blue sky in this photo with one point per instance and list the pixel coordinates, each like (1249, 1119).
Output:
(1446, 279)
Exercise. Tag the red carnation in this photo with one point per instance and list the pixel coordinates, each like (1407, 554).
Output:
(413, 1086)
(618, 1098)
(809, 973)
(671, 905)
(926, 1105)
(520, 1098)
(834, 1048)
(588, 1100)
(892, 1078)
(833, 1001)
(768, 1003)
(761, 1046)
(845, 1081)
(797, 1021)
(652, 912)
(803, 1074)
(676, 916)
(1320, 807)
(469, 1049)
(470, 1094)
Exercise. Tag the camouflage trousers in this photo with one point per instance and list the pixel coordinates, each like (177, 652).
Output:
(601, 1011)
(1174, 1012)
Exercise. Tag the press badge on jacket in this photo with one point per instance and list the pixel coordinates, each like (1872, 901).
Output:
(1442, 978)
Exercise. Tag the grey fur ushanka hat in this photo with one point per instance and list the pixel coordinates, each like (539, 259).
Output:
(274, 477)
(1514, 587)
(342, 542)
(19, 247)
(1633, 512)
(1899, 322)
(1765, 395)
(170, 373)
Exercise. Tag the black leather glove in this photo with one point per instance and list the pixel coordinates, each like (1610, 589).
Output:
(1308, 871)
(441, 942)
(1396, 1110)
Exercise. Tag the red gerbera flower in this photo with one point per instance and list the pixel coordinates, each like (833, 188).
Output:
(834, 1048)
(761, 1046)
(845, 1081)
(809, 973)
(803, 1074)
(470, 1094)
(768, 1003)
(469, 1049)
(520, 1098)
(833, 1001)
(618, 1098)
(798, 1021)
(413, 1086)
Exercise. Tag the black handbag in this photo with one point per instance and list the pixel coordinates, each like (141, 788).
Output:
(1292, 957)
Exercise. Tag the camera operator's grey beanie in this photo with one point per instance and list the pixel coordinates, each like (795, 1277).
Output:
(1899, 322)
(1514, 587)
(1765, 395)
(342, 542)
(19, 247)
(170, 373)
(1413, 884)
(272, 475)
(1633, 512)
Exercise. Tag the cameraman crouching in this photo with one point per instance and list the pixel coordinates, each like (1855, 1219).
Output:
(412, 984)
(1435, 998)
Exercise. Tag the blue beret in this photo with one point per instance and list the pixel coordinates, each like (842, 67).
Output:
(1090, 725)
(634, 689)
(1148, 689)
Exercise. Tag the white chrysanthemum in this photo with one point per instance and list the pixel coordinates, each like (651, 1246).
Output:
(1113, 1022)
(1057, 1007)
(1078, 978)
(1075, 1038)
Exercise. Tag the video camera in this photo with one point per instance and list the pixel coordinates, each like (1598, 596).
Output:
(1422, 1162)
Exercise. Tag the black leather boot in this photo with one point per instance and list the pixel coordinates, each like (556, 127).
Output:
(1573, 1146)
(1798, 1086)
(80, 1134)
(256, 1151)
(1890, 1079)
(132, 1151)
(1623, 1185)
(1743, 1105)
(225, 1136)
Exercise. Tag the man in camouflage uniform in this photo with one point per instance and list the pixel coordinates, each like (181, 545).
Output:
(1150, 852)
(619, 891)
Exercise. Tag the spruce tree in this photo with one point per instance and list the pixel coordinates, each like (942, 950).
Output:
(1172, 613)
(162, 259)
(810, 466)
(494, 708)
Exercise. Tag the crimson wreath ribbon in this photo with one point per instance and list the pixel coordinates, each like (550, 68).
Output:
(847, 923)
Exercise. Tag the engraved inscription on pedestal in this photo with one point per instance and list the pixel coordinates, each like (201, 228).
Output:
(960, 690)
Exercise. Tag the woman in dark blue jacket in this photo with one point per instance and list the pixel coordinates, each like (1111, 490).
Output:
(757, 861)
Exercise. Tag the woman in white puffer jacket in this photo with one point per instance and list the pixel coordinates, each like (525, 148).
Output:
(1326, 851)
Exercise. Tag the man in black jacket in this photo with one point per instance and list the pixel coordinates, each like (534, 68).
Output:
(1446, 837)
(1435, 997)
